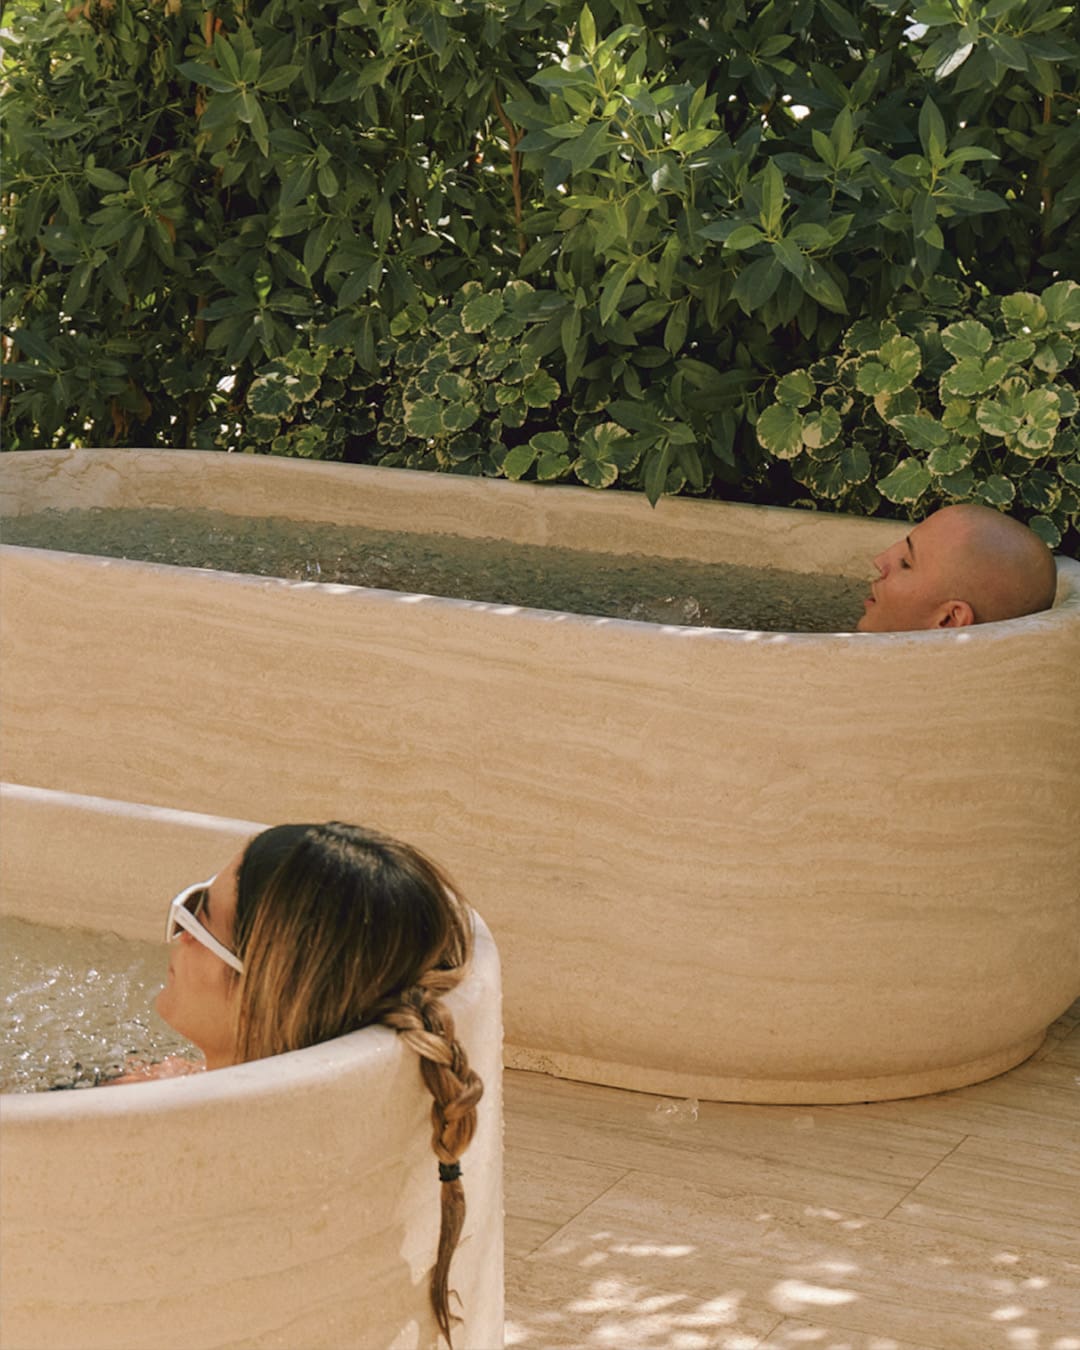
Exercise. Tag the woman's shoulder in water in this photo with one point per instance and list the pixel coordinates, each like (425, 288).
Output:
(175, 1066)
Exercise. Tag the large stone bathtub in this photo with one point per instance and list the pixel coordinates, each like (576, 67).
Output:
(288, 1202)
(741, 865)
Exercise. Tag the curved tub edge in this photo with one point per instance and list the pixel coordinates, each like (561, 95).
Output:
(774, 1091)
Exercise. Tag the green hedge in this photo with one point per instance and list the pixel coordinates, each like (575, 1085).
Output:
(988, 405)
(531, 239)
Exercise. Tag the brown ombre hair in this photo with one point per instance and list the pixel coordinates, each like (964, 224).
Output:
(338, 928)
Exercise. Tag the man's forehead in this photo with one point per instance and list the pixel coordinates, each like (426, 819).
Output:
(946, 524)
(941, 540)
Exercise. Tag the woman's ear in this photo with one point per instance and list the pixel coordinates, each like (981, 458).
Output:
(954, 614)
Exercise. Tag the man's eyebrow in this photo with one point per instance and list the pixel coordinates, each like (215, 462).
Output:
(911, 546)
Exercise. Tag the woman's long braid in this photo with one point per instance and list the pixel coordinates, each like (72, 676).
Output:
(428, 1028)
(340, 927)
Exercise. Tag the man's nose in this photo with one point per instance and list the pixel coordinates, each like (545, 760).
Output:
(881, 562)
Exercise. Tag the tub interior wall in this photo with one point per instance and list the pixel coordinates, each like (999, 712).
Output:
(689, 811)
(391, 499)
(299, 1195)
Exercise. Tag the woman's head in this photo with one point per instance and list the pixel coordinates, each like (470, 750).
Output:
(333, 927)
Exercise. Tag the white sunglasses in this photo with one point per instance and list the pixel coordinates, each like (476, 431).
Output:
(184, 912)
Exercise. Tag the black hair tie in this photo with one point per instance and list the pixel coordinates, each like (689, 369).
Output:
(449, 1171)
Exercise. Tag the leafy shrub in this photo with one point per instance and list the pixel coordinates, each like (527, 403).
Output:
(194, 192)
(242, 226)
(987, 404)
(474, 387)
(466, 383)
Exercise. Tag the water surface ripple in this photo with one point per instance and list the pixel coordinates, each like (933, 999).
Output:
(654, 590)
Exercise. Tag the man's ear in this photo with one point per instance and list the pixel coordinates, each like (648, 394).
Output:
(954, 614)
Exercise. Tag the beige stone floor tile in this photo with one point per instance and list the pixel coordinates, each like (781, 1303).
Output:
(800, 1153)
(1037, 1103)
(792, 1335)
(975, 1256)
(1013, 1194)
(1068, 1024)
(812, 1263)
(538, 1187)
(1070, 1017)
(543, 1193)
(1067, 1050)
(652, 1306)
(523, 1236)
(1056, 1071)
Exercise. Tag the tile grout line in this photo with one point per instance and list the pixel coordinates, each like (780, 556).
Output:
(832, 1326)
(577, 1214)
(763, 1190)
(911, 1192)
(777, 1326)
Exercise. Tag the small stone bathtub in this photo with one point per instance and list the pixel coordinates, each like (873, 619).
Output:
(288, 1202)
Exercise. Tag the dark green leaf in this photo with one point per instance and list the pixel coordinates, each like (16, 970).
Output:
(212, 78)
(540, 390)
(595, 473)
(821, 286)
(921, 432)
(949, 459)
(772, 198)
(676, 326)
(996, 490)
(795, 389)
(424, 418)
(615, 283)
(791, 257)
(583, 151)
(657, 463)
(519, 461)
(347, 85)
(276, 80)
(820, 429)
(756, 284)
(481, 311)
(779, 429)
(932, 134)
(269, 398)
(969, 338)
(744, 236)
(327, 181)
(1046, 529)
(907, 482)
(105, 179)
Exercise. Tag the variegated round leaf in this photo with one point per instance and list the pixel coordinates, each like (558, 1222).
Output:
(779, 429)
(907, 482)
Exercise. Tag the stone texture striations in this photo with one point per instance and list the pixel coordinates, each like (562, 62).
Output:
(758, 867)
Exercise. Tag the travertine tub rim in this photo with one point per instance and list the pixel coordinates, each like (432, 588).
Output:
(1067, 601)
(257, 1079)
(475, 508)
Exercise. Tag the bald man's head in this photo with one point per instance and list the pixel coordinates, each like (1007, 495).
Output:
(964, 564)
